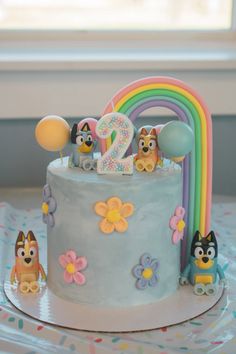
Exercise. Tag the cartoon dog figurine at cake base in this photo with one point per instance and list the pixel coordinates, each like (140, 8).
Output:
(147, 157)
(203, 268)
(84, 144)
(27, 267)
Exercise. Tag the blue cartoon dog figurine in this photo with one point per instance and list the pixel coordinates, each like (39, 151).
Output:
(84, 144)
(202, 269)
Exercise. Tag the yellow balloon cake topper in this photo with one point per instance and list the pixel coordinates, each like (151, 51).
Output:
(52, 133)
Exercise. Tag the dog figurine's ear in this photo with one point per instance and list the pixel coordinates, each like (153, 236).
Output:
(153, 132)
(211, 238)
(143, 132)
(21, 237)
(31, 237)
(20, 241)
(85, 128)
(196, 238)
(73, 134)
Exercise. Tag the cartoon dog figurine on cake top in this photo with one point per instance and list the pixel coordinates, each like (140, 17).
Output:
(147, 157)
(27, 267)
(84, 144)
(203, 268)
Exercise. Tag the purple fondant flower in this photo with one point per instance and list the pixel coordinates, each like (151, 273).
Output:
(146, 272)
(177, 224)
(49, 206)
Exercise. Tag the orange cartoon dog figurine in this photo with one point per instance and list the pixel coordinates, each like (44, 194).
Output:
(147, 157)
(27, 267)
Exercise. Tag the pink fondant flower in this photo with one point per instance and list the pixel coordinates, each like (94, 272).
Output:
(73, 265)
(177, 224)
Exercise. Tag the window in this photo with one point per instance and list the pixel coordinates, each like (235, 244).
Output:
(116, 15)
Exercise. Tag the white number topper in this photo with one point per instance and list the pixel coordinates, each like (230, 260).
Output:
(112, 161)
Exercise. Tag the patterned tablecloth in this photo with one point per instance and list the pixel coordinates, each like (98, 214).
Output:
(213, 332)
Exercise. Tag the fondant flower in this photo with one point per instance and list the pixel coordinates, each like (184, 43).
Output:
(146, 272)
(73, 265)
(114, 213)
(49, 206)
(177, 224)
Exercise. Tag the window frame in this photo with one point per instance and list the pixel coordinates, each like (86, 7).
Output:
(186, 55)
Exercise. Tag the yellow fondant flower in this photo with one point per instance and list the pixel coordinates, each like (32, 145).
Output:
(114, 213)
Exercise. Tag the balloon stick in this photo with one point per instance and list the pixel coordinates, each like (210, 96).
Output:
(61, 156)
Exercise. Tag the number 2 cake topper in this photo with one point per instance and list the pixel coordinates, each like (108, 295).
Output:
(122, 129)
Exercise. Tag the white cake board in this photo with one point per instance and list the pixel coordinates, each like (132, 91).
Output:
(47, 307)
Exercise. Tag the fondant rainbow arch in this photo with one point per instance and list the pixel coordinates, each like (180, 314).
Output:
(197, 166)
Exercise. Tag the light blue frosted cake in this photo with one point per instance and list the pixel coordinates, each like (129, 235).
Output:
(110, 241)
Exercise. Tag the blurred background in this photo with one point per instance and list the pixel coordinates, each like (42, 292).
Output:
(116, 14)
(69, 57)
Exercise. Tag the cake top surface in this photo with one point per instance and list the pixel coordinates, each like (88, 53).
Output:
(59, 167)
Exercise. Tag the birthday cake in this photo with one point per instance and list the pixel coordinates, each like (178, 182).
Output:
(124, 267)
(116, 222)
(128, 212)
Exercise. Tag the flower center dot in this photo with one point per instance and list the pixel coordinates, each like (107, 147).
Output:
(113, 215)
(70, 268)
(180, 225)
(44, 208)
(147, 273)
